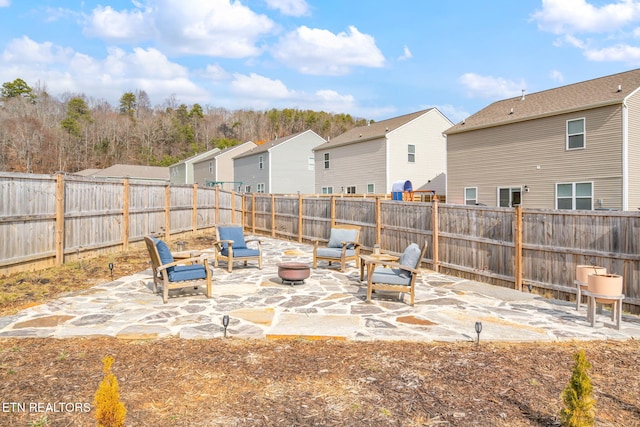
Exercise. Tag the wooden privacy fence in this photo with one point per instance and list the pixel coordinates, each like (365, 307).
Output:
(48, 219)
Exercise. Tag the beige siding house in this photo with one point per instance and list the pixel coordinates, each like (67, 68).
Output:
(573, 147)
(217, 168)
(182, 172)
(369, 159)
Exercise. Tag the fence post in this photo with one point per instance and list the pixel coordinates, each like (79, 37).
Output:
(378, 221)
(59, 219)
(299, 218)
(333, 211)
(273, 215)
(434, 234)
(125, 215)
(167, 212)
(233, 207)
(194, 217)
(253, 212)
(217, 204)
(518, 249)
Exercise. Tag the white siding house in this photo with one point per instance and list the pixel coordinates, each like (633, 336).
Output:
(281, 166)
(182, 172)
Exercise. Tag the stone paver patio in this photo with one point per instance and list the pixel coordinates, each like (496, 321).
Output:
(330, 304)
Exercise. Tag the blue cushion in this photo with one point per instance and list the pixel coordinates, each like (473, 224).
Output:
(164, 252)
(334, 252)
(241, 252)
(187, 272)
(390, 276)
(410, 258)
(341, 235)
(232, 233)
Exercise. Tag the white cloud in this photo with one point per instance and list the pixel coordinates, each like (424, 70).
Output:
(258, 86)
(321, 52)
(25, 51)
(216, 72)
(289, 7)
(623, 53)
(491, 87)
(556, 76)
(5, 3)
(579, 16)
(204, 27)
(406, 54)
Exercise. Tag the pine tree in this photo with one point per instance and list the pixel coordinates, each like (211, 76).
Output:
(110, 412)
(579, 403)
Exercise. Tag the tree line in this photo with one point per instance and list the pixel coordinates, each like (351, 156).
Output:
(43, 134)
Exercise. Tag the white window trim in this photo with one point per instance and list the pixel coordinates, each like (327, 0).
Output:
(573, 193)
(373, 187)
(584, 134)
(346, 189)
(327, 190)
(326, 160)
(409, 153)
(261, 162)
(465, 194)
(259, 187)
(510, 188)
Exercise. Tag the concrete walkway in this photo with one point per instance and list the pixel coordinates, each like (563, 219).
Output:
(329, 304)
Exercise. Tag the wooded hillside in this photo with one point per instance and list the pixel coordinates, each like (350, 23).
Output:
(43, 134)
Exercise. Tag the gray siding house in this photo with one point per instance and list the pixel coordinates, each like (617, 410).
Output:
(182, 172)
(572, 147)
(281, 166)
(217, 168)
(369, 159)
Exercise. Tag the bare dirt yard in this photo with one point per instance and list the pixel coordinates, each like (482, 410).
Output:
(236, 382)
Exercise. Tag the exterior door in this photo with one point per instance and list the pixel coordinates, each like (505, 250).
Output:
(509, 196)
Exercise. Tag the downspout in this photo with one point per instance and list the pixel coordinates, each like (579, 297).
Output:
(386, 164)
(625, 156)
(269, 172)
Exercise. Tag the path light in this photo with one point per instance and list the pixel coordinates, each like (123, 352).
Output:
(111, 268)
(225, 323)
(530, 286)
(478, 330)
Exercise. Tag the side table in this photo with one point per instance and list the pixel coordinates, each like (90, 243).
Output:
(374, 257)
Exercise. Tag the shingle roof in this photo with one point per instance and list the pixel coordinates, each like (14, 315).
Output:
(372, 131)
(133, 171)
(608, 90)
(263, 148)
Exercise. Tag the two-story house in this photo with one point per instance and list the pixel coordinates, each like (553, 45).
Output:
(572, 147)
(281, 166)
(217, 168)
(182, 172)
(370, 158)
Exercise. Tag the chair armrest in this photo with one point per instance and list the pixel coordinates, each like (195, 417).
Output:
(392, 264)
(346, 243)
(184, 261)
(253, 240)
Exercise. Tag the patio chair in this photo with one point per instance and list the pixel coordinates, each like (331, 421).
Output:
(172, 274)
(231, 246)
(343, 246)
(396, 276)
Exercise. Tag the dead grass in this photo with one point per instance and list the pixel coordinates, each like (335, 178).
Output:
(235, 382)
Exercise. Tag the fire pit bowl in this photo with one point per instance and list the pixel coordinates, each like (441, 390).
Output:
(293, 272)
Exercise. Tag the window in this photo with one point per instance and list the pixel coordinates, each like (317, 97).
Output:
(574, 195)
(327, 190)
(311, 163)
(371, 188)
(575, 134)
(247, 189)
(260, 162)
(411, 153)
(350, 189)
(470, 195)
(509, 196)
(326, 160)
(260, 188)
(211, 167)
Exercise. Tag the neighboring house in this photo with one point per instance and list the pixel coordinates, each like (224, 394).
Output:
(573, 147)
(182, 172)
(281, 166)
(217, 168)
(134, 172)
(369, 159)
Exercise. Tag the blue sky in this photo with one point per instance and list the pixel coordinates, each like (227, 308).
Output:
(374, 59)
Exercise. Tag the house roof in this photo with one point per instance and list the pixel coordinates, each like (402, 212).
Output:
(371, 131)
(608, 90)
(263, 148)
(221, 152)
(130, 171)
(196, 157)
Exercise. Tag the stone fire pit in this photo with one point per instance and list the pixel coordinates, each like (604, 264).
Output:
(293, 272)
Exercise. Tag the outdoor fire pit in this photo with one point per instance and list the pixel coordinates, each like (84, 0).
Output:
(293, 272)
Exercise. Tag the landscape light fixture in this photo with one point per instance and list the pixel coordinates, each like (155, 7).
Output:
(225, 323)
(478, 330)
(530, 286)
(111, 269)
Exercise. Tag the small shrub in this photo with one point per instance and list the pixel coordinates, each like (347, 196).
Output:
(110, 412)
(579, 403)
